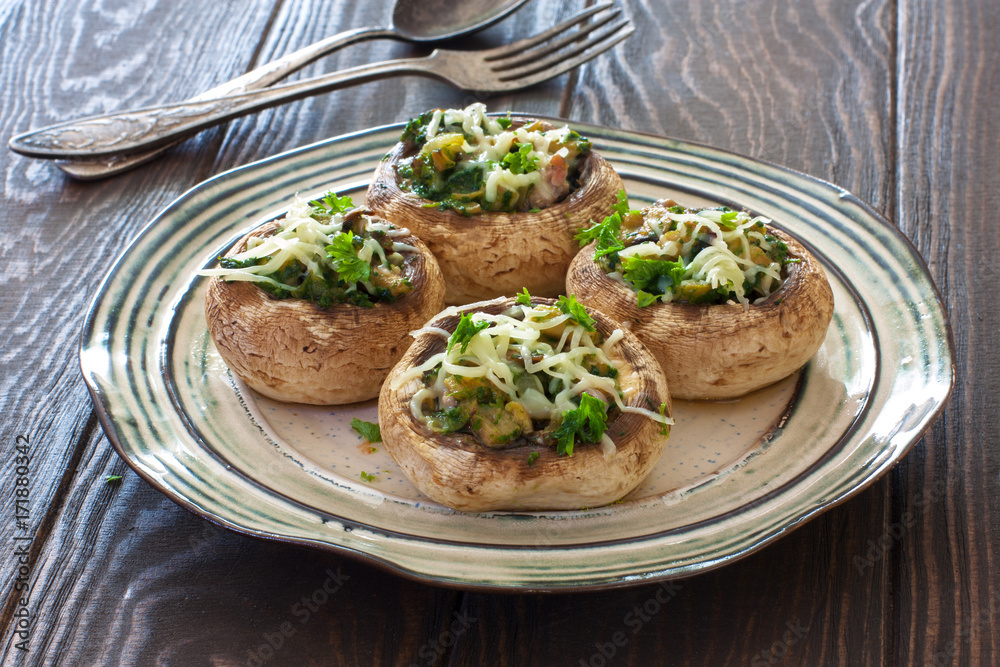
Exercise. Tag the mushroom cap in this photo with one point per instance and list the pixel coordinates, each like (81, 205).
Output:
(294, 351)
(497, 254)
(458, 471)
(720, 351)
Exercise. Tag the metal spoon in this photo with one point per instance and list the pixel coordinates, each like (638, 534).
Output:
(412, 21)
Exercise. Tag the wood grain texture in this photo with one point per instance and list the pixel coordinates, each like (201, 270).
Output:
(804, 85)
(807, 86)
(947, 571)
(374, 104)
(107, 61)
(896, 102)
(64, 59)
(137, 581)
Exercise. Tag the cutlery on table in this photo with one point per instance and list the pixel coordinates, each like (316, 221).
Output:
(501, 69)
(411, 22)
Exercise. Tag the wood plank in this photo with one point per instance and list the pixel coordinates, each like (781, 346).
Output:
(807, 86)
(135, 580)
(782, 87)
(70, 59)
(948, 575)
(142, 597)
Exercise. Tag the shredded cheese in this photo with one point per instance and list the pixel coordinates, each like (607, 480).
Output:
(481, 142)
(535, 355)
(715, 252)
(304, 239)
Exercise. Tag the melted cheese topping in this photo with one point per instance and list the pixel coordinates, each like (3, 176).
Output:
(485, 143)
(305, 239)
(716, 264)
(522, 352)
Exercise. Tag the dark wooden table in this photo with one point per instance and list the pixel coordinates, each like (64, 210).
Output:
(898, 102)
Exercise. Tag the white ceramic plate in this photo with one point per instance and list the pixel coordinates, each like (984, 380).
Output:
(735, 475)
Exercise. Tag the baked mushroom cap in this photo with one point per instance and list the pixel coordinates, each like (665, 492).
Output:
(292, 350)
(497, 254)
(720, 351)
(458, 471)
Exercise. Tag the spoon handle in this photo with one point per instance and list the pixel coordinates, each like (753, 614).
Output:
(276, 70)
(256, 79)
(141, 129)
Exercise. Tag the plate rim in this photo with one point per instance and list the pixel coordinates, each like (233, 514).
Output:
(786, 526)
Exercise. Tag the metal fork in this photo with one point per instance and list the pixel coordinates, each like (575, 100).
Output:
(519, 65)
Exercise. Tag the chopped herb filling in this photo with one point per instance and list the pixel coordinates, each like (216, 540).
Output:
(328, 252)
(535, 375)
(468, 162)
(669, 253)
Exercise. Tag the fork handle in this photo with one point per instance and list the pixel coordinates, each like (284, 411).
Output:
(257, 78)
(151, 127)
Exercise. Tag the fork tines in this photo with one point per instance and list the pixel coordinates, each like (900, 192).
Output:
(562, 47)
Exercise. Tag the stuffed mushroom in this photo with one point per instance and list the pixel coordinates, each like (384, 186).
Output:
(525, 404)
(317, 307)
(726, 303)
(497, 199)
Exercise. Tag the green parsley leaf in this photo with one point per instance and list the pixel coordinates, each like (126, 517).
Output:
(728, 219)
(645, 298)
(365, 477)
(532, 457)
(416, 128)
(663, 412)
(352, 269)
(505, 122)
(621, 207)
(588, 234)
(330, 203)
(588, 422)
(779, 247)
(464, 332)
(677, 273)
(641, 272)
(367, 430)
(576, 311)
(524, 298)
(521, 161)
(113, 479)
(606, 234)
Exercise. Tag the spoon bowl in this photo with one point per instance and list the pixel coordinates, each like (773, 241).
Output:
(421, 20)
